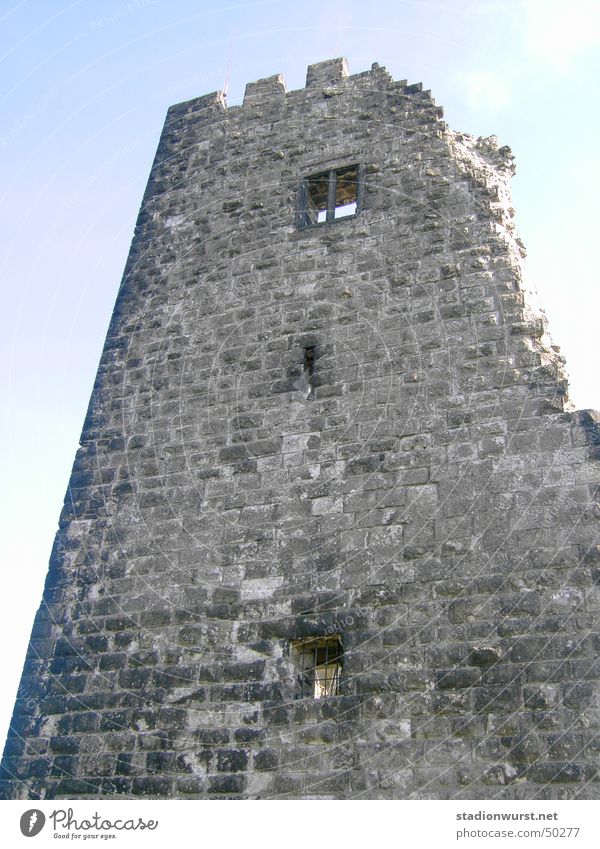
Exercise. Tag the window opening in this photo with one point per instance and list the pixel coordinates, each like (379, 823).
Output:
(317, 197)
(346, 192)
(319, 661)
(330, 196)
(308, 370)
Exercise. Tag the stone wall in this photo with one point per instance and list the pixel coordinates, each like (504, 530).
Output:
(432, 504)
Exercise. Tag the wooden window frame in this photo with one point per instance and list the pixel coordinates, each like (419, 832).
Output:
(306, 217)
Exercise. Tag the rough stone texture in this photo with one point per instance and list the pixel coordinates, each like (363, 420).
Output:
(434, 503)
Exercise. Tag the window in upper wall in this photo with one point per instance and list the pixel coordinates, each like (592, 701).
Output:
(329, 196)
(319, 661)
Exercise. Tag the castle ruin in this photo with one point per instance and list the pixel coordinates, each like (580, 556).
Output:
(332, 530)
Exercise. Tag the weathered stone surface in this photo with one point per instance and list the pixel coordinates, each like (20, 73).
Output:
(431, 505)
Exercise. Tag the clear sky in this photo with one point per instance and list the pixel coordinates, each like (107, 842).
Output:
(84, 90)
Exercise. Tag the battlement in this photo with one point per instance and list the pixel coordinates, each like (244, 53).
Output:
(323, 80)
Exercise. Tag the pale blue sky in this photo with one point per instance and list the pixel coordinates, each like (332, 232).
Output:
(85, 87)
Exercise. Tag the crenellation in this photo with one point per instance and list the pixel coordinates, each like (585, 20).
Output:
(264, 91)
(330, 72)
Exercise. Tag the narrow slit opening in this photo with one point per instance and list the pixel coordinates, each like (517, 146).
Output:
(308, 370)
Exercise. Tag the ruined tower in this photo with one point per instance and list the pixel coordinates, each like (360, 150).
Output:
(331, 531)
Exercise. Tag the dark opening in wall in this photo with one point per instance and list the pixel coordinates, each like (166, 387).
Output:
(308, 370)
(319, 664)
(329, 196)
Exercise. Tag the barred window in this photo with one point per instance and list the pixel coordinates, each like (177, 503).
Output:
(319, 664)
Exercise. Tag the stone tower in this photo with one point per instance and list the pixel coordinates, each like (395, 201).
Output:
(332, 531)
